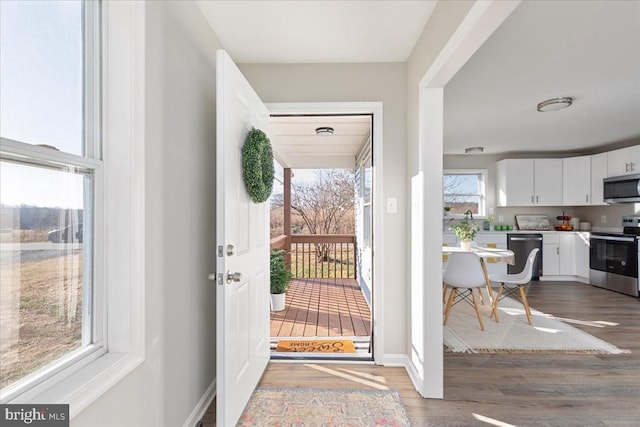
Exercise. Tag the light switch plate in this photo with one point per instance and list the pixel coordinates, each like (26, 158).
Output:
(392, 205)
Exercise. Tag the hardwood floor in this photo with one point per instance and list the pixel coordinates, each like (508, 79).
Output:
(520, 390)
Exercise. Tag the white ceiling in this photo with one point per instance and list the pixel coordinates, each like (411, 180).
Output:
(586, 49)
(317, 31)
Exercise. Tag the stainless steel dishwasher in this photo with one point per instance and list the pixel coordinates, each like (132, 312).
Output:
(522, 244)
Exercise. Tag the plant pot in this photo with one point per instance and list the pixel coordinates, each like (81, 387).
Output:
(277, 302)
(465, 244)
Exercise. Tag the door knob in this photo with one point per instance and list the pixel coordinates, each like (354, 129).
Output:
(233, 276)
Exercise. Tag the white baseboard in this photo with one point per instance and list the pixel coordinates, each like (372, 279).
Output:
(413, 376)
(395, 360)
(202, 406)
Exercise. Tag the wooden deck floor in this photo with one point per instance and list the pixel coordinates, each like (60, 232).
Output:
(323, 308)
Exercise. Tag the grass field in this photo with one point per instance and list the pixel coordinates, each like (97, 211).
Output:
(40, 312)
(306, 263)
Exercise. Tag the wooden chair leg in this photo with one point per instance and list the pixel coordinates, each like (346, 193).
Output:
(481, 295)
(494, 306)
(444, 292)
(475, 305)
(525, 303)
(447, 309)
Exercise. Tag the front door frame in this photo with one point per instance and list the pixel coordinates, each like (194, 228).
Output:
(375, 109)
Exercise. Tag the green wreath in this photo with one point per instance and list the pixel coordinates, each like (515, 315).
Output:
(257, 165)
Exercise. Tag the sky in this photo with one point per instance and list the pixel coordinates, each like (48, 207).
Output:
(41, 96)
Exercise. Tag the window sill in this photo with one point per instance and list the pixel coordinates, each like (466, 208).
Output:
(85, 385)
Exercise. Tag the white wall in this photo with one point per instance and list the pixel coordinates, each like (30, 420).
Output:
(364, 83)
(424, 167)
(180, 227)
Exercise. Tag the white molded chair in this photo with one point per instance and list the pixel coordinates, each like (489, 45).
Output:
(463, 274)
(512, 283)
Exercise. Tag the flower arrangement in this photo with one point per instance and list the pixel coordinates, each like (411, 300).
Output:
(465, 229)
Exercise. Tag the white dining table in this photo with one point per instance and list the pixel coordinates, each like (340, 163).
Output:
(483, 253)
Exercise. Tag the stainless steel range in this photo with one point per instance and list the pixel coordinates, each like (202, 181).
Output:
(614, 258)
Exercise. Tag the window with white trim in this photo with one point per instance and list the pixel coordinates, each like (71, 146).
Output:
(465, 190)
(50, 179)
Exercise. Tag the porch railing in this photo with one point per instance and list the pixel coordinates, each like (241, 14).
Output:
(320, 255)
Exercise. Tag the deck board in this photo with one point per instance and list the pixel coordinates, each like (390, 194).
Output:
(323, 308)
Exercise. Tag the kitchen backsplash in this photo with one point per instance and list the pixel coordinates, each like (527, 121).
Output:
(592, 214)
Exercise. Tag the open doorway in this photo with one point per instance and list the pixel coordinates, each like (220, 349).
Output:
(321, 220)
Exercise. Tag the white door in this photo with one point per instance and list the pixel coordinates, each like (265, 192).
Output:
(242, 229)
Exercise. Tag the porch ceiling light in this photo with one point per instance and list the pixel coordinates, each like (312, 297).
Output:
(555, 104)
(473, 150)
(324, 131)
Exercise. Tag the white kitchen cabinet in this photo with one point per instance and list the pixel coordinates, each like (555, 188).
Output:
(576, 181)
(582, 247)
(567, 254)
(550, 254)
(529, 182)
(598, 173)
(624, 161)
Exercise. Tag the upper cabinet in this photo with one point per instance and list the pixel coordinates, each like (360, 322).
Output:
(582, 180)
(529, 182)
(576, 181)
(624, 161)
(598, 173)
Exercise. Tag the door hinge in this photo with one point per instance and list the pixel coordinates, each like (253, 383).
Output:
(220, 251)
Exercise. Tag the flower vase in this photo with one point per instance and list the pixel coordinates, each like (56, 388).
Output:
(465, 244)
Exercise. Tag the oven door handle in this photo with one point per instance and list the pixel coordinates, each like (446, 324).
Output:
(614, 239)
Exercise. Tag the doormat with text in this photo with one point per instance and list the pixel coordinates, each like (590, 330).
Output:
(316, 346)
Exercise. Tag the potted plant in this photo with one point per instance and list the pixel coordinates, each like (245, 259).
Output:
(466, 230)
(279, 281)
(447, 211)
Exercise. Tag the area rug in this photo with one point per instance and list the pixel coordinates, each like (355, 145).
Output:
(316, 346)
(323, 407)
(513, 334)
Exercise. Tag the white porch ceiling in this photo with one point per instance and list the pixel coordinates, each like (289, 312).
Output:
(296, 144)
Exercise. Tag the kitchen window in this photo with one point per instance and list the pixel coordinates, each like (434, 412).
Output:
(465, 190)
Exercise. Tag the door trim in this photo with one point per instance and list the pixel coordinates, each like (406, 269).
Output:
(375, 109)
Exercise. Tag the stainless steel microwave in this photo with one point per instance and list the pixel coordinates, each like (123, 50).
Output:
(622, 189)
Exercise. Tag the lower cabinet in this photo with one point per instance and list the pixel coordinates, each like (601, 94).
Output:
(582, 247)
(550, 254)
(565, 254)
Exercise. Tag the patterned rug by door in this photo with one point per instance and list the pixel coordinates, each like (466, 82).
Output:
(323, 407)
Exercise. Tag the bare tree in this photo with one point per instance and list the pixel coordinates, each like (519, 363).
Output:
(326, 205)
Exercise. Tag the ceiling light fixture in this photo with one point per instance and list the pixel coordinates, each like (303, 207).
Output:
(473, 150)
(324, 131)
(555, 104)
